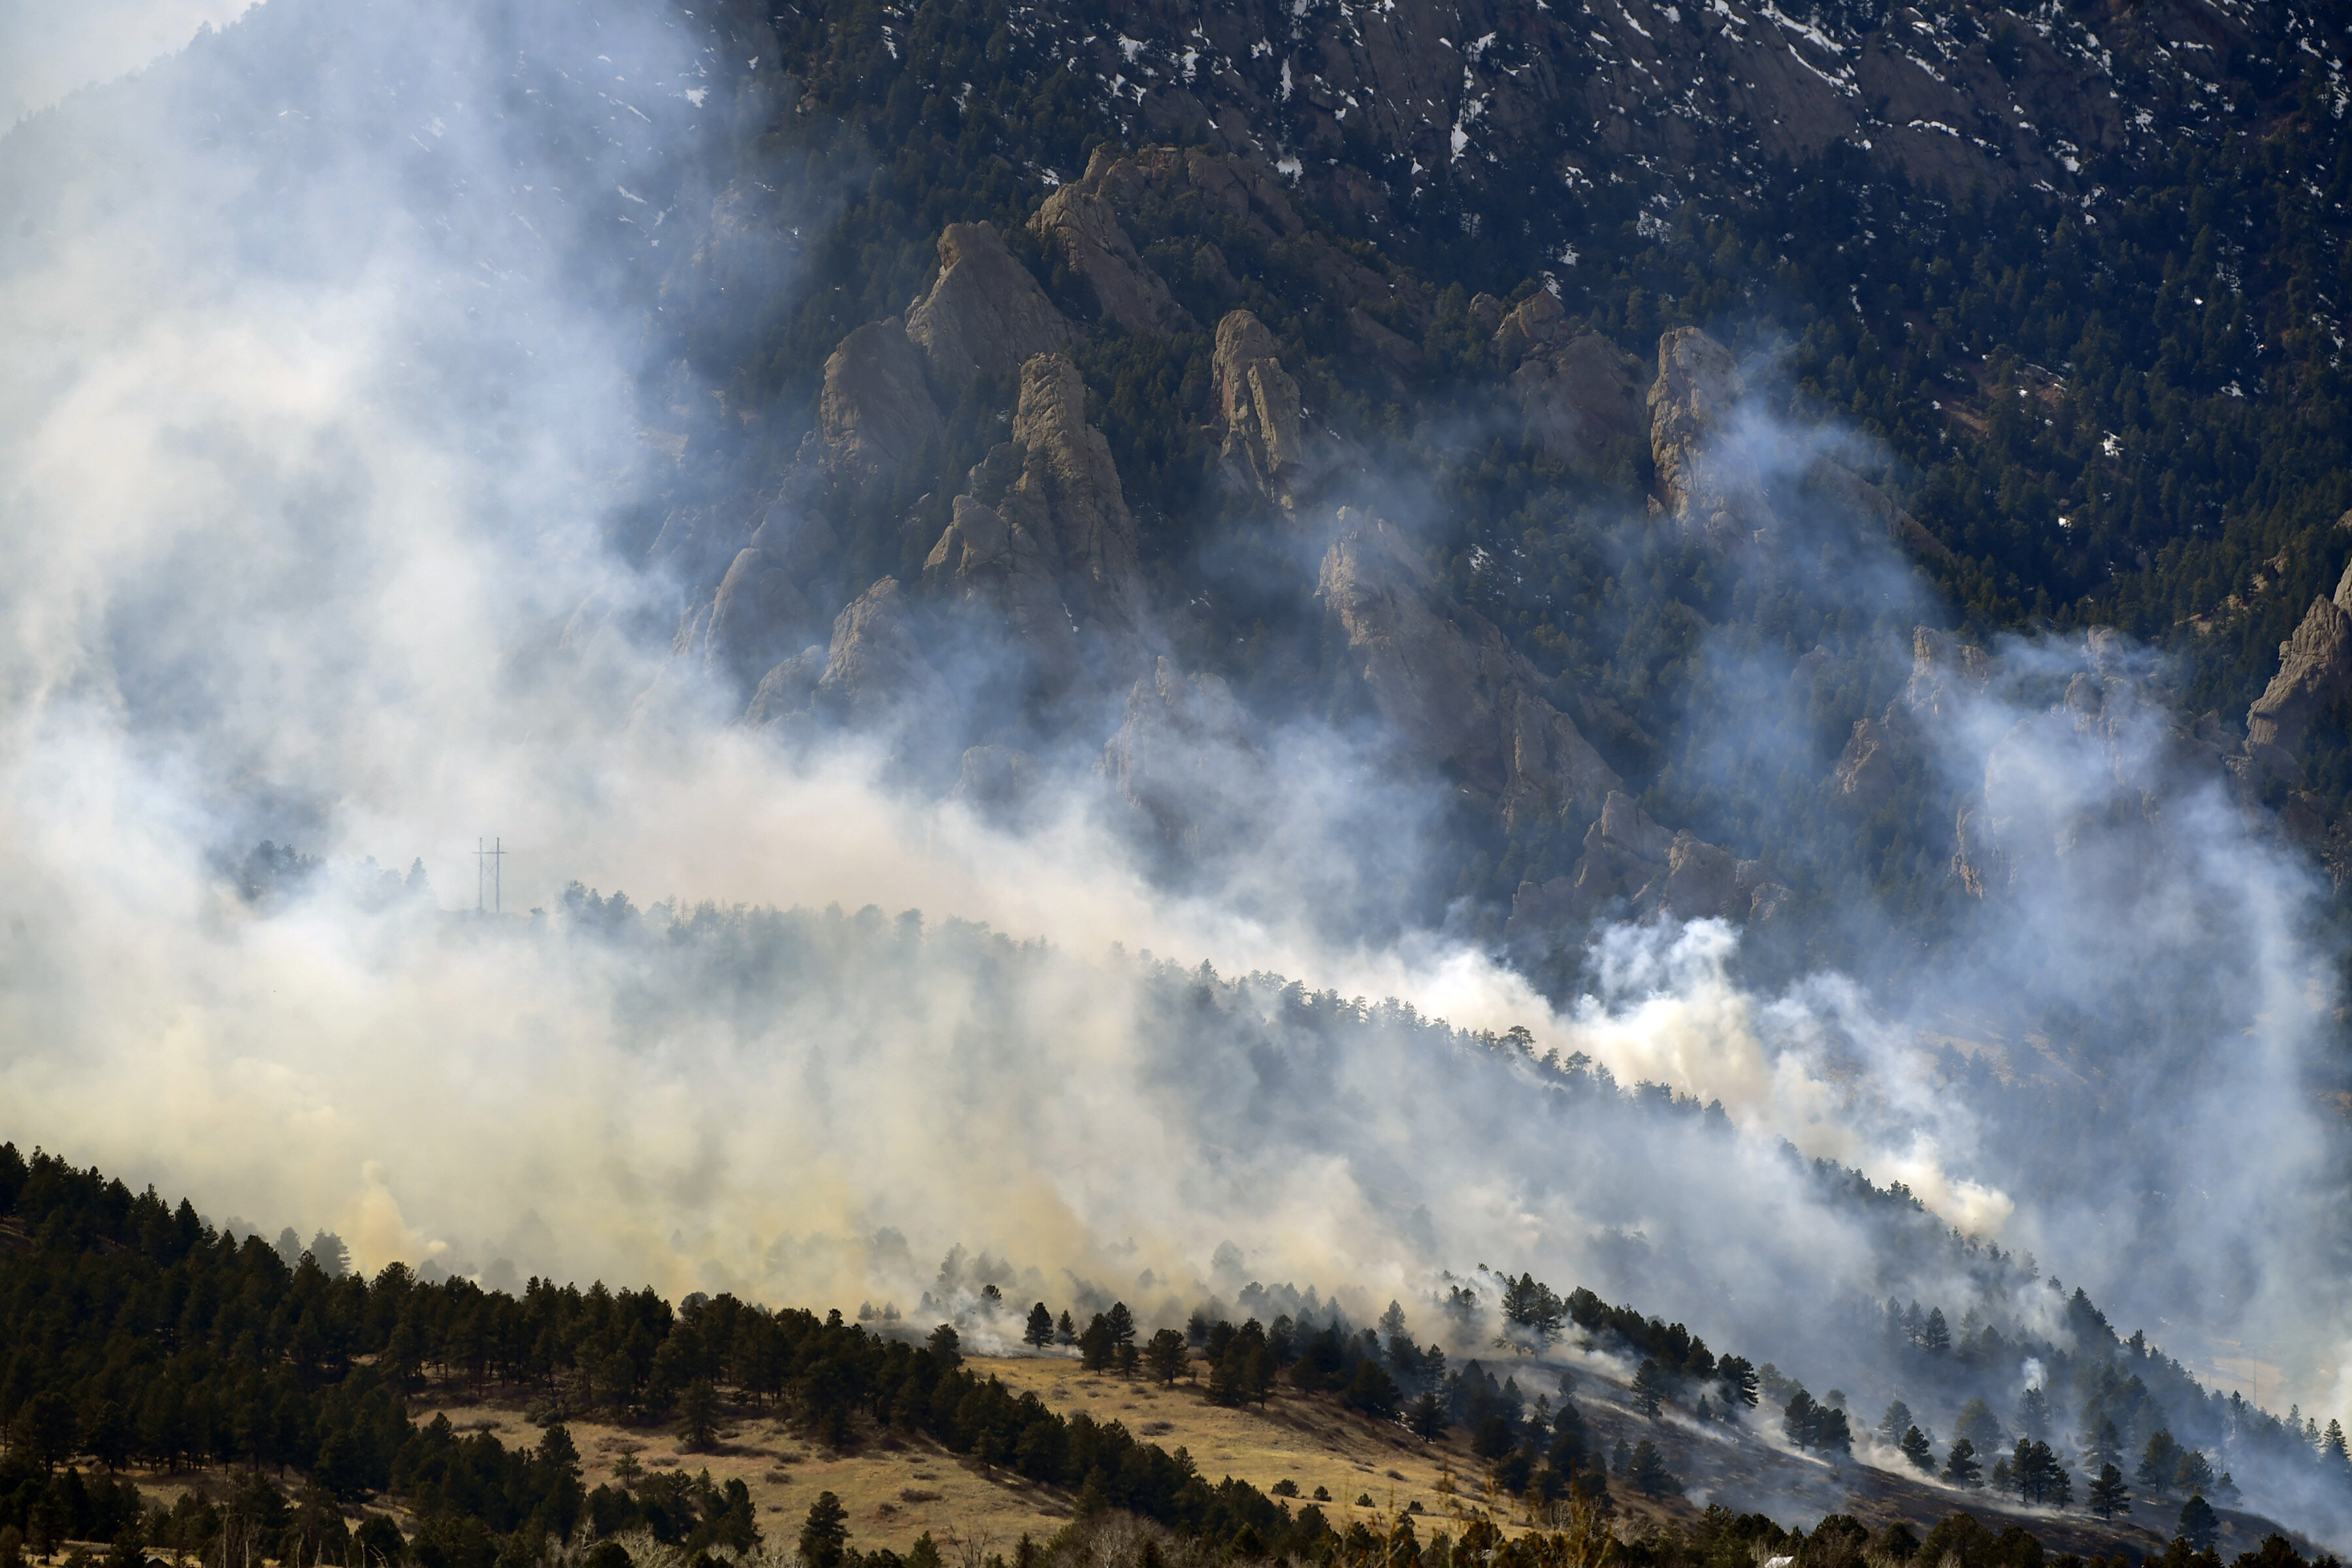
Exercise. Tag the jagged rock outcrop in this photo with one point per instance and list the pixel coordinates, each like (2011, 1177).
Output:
(1000, 783)
(985, 315)
(1631, 866)
(757, 604)
(788, 689)
(1866, 769)
(1044, 538)
(874, 672)
(1582, 395)
(1257, 411)
(1182, 761)
(874, 669)
(760, 608)
(2077, 797)
(1945, 674)
(2315, 672)
(1450, 691)
(875, 412)
(1240, 189)
(1713, 471)
(1079, 222)
(1708, 480)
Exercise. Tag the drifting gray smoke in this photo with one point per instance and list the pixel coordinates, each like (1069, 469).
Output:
(334, 344)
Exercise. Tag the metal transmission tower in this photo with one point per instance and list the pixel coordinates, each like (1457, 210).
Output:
(490, 877)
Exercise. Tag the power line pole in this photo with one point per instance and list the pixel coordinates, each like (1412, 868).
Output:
(490, 877)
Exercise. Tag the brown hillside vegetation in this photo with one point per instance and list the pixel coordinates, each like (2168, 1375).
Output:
(897, 1488)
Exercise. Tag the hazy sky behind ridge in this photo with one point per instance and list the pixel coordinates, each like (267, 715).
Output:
(50, 48)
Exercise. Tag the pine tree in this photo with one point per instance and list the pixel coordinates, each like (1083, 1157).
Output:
(1649, 1388)
(1166, 1355)
(697, 1412)
(1646, 1468)
(2200, 1525)
(1736, 1377)
(2108, 1496)
(825, 1533)
(1039, 1332)
(1917, 1449)
(1978, 1424)
(1801, 1418)
(1065, 1333)
(1896, 1422)
(1531, 1307)
(1258, 1374)
(1961, 1467)
(1935, 1335)
(2157, 1463)
(2102, 1445)
(2034, 1415)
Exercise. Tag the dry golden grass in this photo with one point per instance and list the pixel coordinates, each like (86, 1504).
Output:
(894, 1491)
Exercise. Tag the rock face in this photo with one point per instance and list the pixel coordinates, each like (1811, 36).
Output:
(757, 603)
(872, 675)
(1079, 222)
(788, 689)
(1582, 395)
(1711, 473)
(1707, 481)
(1945, 673)
(2078, 795)
(1183, 760)
(1042, 538)
(1257, 410)
(998, 781)
(875, 412)
(2315, 672)
(1237, 188)
(1452, 691)
(1631, 866)
(1866, 769)
(874, 669)
(984, 316)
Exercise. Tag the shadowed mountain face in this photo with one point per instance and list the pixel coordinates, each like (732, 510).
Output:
(1378, 105)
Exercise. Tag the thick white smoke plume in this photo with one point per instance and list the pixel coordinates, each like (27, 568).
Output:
(323, 380)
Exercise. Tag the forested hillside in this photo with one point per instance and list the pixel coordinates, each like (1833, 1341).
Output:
(145, 1345)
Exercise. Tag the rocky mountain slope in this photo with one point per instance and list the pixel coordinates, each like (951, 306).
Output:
(1106, 386)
